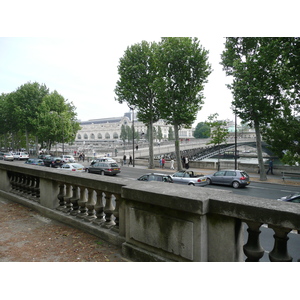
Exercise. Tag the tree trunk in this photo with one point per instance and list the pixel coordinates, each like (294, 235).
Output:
(151, 154)
(27, 141)
(262, 173)
(177, 148)
(37, 145)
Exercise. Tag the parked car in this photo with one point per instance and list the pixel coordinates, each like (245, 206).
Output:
(235, 178)
(68, 158)
(34, 161)
(189, 178)
(43, 156)
(156, 177)
(103, 159)
(53, 161)
(21, 155)
(294, 198)
(104, 168)
(73, 167)
(6, 156)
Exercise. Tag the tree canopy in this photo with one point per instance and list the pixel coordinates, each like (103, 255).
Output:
(262, 82)
(32, 111)
(166, 81)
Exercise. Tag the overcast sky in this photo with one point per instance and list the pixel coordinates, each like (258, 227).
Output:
(84, 71)
(75, 49)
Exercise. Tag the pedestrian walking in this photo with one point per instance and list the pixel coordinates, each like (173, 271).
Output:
(163, 161)
(130, 160)
(187, 163)
(270, 167)
(124, 159)
(172, 164)
(160, 162)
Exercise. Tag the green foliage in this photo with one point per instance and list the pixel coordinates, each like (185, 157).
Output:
(183, 70)
(266, 86)
(33, 111)
(171, 134)
(202, 131)
(218, 132)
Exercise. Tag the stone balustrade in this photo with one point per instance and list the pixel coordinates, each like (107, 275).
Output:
(154, 221)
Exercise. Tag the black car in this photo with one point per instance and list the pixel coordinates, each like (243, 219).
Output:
(53, 161)
(156, 177)
(294, 198)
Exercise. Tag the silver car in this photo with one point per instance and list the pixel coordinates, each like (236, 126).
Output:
(235, 178)
(104, 168)
(6, 156)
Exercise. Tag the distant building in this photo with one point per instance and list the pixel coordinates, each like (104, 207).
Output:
(108, 129)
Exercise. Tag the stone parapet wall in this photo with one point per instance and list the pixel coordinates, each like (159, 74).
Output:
(153, 221)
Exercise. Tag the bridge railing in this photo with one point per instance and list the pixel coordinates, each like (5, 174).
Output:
(154, 221)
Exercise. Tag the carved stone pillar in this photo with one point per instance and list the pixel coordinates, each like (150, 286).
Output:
(60, 197)
(90, 205)
(279, 252)
(99, 208)
(74, 201)
(108, 210)
(67, 199)
(82, 210)
(252, 248)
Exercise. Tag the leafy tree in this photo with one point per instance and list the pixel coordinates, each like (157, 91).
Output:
(56, 120)
(258, 81)
(171, 134)
(218, 132)
(183, 70)
(26, 100)
(136, 86)
(202, 131)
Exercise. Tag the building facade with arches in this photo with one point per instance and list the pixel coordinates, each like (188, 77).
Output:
(109, 129)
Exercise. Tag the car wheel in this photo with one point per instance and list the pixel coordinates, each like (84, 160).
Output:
(236, 184)
(191, 184)
(208, 181)
(101, 172)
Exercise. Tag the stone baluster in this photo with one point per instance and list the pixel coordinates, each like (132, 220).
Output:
(19, 183)
(82, 210)
(279, 252)
(99, 208)
(27, 184)
(67, 198)
(60, 197)
(252, 248)
(74, 200)
(37, 188)
(116, 211)
(90, 205)
(108, 210)
(12, 179)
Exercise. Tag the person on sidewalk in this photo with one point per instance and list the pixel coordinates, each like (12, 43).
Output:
(270, 167)
(172, 164)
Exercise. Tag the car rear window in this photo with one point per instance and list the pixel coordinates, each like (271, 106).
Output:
(114, 165)
(244, 174)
